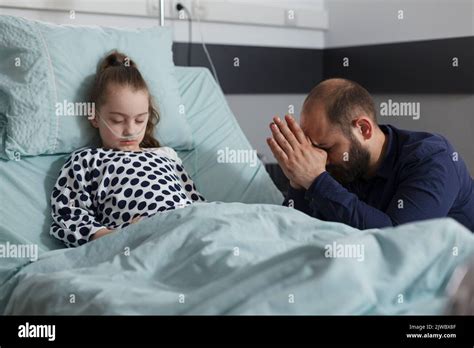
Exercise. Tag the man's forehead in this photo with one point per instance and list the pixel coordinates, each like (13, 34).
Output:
(316, 129)
(312, 125)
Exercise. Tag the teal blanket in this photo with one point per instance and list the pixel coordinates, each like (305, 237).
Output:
(234, 258)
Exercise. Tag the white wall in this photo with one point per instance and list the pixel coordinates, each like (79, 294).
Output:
(135, 13)
(449, 115)
(254, 114)
(361, 22)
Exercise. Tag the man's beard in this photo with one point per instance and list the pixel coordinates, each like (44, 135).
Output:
(355, 168)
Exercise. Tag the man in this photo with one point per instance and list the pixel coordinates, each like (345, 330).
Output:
(344, 167)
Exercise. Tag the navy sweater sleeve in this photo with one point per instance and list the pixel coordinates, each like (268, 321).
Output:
(296, 199)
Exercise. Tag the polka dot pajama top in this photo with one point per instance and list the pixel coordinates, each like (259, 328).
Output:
(106, 188)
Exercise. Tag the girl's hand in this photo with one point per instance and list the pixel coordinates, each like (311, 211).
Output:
(100, 233)
(134, 220)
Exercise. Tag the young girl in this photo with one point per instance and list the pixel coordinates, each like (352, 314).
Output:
(100, 190)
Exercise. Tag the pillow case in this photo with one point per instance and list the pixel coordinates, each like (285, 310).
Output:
(46, 72)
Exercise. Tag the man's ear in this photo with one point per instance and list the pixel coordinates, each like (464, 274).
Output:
(364, 126)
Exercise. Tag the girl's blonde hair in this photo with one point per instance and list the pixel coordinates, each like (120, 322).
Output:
(117, 68)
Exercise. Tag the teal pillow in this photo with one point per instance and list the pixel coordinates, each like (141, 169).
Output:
(46, 67)
(215, 129)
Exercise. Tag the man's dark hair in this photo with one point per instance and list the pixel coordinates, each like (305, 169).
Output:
(343, 101)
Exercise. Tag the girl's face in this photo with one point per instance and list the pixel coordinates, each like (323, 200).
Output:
(125, 113)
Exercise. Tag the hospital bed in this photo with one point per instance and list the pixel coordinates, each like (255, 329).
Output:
(239, 253)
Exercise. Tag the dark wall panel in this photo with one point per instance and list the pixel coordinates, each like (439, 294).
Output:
(411, 67)
(407, 67)
(270, 70)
